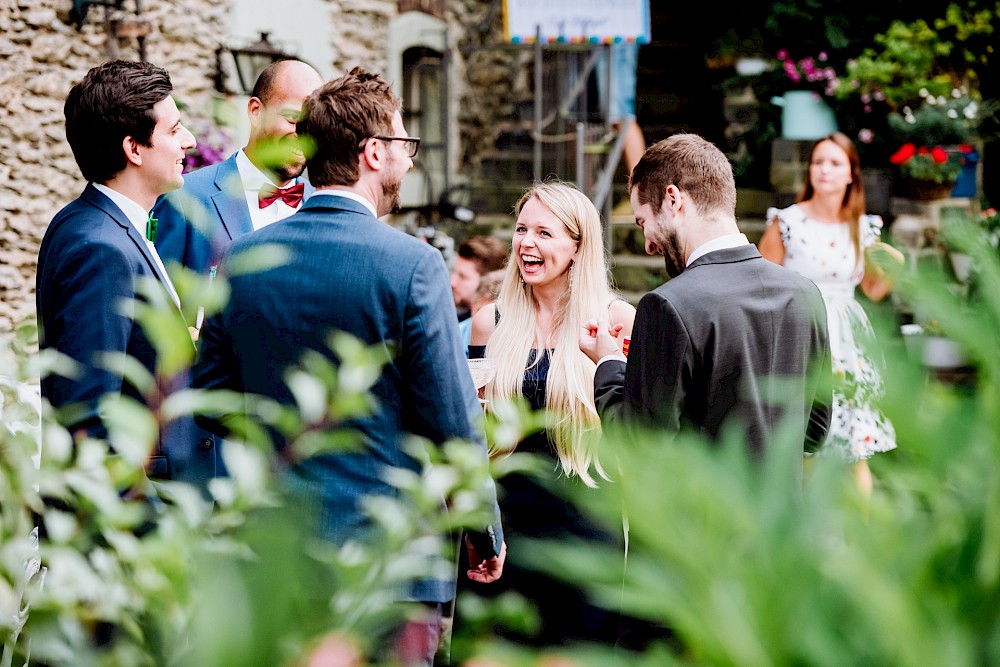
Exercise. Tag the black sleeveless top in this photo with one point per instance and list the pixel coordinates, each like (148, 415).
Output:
(535, 374)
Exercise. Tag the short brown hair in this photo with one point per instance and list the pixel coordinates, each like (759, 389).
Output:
(338, 117)
(486, 252)
(693, 165)
(113, 101)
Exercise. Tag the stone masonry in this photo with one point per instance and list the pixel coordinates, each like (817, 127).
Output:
(42, 55)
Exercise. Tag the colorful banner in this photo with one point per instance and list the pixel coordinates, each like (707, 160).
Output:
(576, 21)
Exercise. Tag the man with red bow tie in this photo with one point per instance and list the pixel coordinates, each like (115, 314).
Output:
(258, 185)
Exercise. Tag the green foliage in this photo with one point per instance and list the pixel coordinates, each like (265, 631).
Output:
(154, 573)
(746, 563)
(906, 62)
(938, 122)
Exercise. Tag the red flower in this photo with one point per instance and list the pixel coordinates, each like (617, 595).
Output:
(939, 155)
(903, 154)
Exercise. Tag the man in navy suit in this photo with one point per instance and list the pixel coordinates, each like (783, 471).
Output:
(348, 271)
(98, 252)
(258, 185)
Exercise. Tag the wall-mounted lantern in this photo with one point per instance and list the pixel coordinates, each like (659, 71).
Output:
(78, 14)
(117, 24)
(249, 61)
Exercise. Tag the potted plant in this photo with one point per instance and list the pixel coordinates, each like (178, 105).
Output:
(924, 77)
(931, 172)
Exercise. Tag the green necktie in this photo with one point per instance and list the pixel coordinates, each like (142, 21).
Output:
(151, 229)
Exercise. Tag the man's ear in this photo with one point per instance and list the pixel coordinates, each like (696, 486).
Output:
(254, 110)
(131, 148)
(372, 155)
(672, 197)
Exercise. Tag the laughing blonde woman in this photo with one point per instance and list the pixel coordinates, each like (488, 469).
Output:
(556, 279)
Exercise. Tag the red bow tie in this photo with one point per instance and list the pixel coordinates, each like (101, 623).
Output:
(292, 196)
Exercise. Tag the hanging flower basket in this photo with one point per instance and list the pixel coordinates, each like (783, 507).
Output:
(926, 189)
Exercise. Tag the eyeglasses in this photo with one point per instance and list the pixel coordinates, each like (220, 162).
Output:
(412, 144)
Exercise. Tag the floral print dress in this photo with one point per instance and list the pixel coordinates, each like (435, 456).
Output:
(823, 252)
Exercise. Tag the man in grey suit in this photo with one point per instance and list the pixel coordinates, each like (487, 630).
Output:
(348, 271)
(732, 341)
(258, 185)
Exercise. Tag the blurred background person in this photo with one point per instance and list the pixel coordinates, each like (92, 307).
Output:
(825, 237)
(624, 69)
(486, 293)
(259, 184)
(556, 279)
(477, 256)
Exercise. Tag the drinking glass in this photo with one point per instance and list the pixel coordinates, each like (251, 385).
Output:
(482, 371)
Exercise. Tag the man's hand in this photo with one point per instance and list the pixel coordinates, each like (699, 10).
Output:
(598, 339)
(485, 571)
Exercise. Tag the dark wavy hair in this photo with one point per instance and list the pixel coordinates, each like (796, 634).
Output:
(113, 101)
(339, 116)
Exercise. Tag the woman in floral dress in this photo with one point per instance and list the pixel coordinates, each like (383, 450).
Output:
(825, 237)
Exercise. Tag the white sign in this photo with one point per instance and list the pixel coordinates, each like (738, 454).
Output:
(574, 21)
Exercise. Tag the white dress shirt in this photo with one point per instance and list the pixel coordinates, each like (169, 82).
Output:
(253, 180)
(139, 217)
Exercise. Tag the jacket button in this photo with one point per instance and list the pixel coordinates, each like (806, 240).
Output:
(206, 444)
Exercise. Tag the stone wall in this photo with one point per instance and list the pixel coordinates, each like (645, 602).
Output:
(42, 56)
(490, 74)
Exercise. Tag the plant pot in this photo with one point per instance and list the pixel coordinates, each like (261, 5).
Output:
(941, 352)
(961, 265)
(926, 190)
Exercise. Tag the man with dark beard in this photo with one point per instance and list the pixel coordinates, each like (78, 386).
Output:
(258, 185)
(347, 271)
(729, 343)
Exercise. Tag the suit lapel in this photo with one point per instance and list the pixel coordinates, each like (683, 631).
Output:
(231, 206)
(96, 198)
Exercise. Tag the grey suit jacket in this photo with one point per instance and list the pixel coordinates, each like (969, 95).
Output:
(347, 271)
(734, 341)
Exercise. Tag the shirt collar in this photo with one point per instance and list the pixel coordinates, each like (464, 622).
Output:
(719, 243)
(253, 178)
(348, 195)
(135, 213)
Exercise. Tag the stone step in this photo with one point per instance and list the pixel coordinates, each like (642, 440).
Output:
(636, 274)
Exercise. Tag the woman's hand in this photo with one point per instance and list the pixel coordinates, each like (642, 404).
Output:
(881, 262)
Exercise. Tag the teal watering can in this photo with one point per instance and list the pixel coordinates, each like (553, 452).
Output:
(804, 115)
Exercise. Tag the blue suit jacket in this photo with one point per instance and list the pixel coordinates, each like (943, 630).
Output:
(198, 222)
(89, 264)
(350, 272)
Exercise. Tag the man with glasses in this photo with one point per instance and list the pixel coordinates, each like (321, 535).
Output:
(258, 185)
(347, 271)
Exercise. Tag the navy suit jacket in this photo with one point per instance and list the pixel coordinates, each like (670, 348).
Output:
(89, 266)
(198, 222)
(730, 342)
(347, 271)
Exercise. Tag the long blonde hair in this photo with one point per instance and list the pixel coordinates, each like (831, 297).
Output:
(569, 393)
